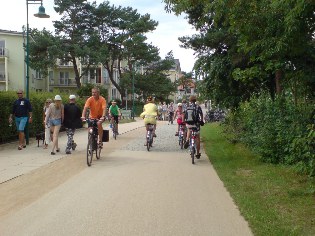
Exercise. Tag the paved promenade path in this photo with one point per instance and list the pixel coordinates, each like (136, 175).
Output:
(129, 191)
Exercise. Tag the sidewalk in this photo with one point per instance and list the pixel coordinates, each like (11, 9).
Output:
(14, 162)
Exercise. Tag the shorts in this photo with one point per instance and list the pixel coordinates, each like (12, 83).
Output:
(20, 123)
(116, 118)
(55, 122)
(194, 126)
(150, 121)
(180, 121)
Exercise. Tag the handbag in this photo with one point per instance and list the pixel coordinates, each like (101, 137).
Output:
(105, 135)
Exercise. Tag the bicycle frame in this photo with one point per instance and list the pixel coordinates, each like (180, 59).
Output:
(193, 145)
(149, 137)
(92, 141)
(181, 135)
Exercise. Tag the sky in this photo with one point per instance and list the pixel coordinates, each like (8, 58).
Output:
(165, 37)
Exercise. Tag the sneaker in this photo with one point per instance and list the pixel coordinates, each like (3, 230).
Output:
(68, 152)
(154, 135)
(186, 145)
(176, 134)
(198, 156)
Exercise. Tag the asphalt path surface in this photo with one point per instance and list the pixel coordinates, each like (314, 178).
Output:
(129, 191)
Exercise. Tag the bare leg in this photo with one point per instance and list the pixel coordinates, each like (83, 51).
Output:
(55, 137)
(21, 139)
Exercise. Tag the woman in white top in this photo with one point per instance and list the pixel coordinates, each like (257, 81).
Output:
(46, 126)
(55, 116)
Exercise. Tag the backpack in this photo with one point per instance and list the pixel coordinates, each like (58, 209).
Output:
(191, 116)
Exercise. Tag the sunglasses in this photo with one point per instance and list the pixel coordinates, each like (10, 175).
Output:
(48, 102)
(19, 93)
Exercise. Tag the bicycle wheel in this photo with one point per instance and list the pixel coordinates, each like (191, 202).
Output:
(192, 154)
(114, 130)
(89, 150)
(148, 142)
(181, 142)
(98, 153)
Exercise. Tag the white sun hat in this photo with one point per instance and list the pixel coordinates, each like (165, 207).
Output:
(72, 96)
(58, 98)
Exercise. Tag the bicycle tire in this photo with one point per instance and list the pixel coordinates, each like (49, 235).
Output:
(115, 130)
(182, 143)
(89, 151)
(148, 145)
(192, 154)
(98, 153)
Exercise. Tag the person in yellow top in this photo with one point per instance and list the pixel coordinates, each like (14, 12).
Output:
(149, 114)
(97, 105)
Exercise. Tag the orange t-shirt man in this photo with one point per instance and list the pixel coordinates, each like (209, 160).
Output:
(97, 107)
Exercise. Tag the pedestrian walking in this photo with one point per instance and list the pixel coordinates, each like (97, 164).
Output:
(72, 121)
(22, 112)
(55, 116)
(164, 110)
(46, 126)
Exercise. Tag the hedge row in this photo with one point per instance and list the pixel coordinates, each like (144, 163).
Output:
(278, 130)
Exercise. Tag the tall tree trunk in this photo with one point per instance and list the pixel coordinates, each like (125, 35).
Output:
(278, 78)
(76, 72)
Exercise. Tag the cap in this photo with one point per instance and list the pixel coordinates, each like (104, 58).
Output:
(72, 96)
(58, 98)
(179, 104)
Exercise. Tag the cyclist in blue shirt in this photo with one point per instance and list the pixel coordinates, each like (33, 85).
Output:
(22, 111)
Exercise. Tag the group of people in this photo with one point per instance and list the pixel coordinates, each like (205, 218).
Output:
(56, 114)
(151, 111)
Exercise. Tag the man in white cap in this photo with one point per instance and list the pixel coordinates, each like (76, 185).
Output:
(72, 121)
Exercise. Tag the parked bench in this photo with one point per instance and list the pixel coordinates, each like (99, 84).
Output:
(125, 114)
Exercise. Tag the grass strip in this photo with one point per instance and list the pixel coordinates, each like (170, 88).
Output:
(274, 199)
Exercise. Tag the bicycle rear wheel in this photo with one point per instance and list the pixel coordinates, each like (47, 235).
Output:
(89, 151)
(192, 154)
(181, 142)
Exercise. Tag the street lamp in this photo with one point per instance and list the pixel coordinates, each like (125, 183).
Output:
(133, 90)
(41, 14)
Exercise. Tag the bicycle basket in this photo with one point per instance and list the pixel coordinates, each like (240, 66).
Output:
(105, 135)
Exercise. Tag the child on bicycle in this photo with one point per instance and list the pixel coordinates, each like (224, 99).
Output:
(179, 114)
(114, 112)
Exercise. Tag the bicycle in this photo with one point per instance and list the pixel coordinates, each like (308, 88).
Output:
(182, 136)
(114, 127)
(192, 144)
(150, 128)
(92, 145)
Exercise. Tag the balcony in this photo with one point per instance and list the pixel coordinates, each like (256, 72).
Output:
(4, 52)
(63, 83)
(2, 76)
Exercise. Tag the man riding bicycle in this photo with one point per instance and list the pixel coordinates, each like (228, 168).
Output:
(97, 105)
(114, 112)
(196, 124)
(149, 114)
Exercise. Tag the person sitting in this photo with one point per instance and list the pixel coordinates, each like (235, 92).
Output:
(196, 124)
(179, 114)
(114, 112)
(149, 114)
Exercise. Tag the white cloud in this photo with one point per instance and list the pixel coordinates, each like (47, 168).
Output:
(13, 17)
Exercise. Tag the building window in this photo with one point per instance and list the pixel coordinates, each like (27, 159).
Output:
(63, 78)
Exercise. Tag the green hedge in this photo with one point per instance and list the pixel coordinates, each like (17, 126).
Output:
(278, 130)
(37, 100)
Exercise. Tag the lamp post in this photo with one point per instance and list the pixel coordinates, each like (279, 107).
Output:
(133, 90)
(41, 14)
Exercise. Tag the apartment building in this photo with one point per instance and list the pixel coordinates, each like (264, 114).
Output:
(62, 77)
(12, 65)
